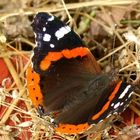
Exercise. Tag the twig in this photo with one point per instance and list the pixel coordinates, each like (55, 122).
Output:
(116, 50)
(69, 6)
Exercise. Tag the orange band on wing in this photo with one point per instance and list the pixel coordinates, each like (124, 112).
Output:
(55, 56)
(105, 107)
(72, 129)
(80, 51)
(33, 87)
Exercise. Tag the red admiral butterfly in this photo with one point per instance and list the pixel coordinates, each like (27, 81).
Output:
(67, 81)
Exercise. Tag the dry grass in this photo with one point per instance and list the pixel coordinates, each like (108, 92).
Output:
(96, 22)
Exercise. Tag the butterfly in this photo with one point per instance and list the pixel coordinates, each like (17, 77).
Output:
(66, 80)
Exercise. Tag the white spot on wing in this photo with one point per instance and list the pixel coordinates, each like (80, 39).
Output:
(44, 29)
(52, 45)
(51, 18)
(46, 37)
(108, 115)
(62, 31)
(112, 104)
(124, 92)
(100, 121)
(121, 104)
(117, 105)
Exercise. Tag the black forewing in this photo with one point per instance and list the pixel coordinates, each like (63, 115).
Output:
(68, 41)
